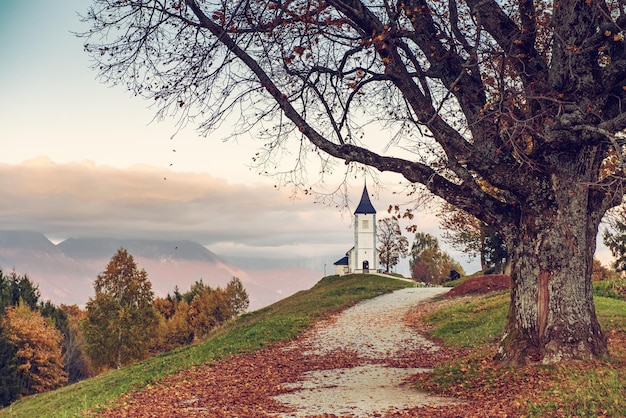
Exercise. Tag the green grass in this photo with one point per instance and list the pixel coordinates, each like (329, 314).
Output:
(613, 288)
(585, 389)
(279, 322)
(471, 322)
(611, 313)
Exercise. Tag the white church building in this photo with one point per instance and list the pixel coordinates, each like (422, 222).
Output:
(363, 257)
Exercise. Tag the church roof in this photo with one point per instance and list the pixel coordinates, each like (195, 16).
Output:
(342, 261)
(365, 205)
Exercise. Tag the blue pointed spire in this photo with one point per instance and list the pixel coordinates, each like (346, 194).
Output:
(365, 205)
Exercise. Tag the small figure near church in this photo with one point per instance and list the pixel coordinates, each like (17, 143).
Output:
(363, 256)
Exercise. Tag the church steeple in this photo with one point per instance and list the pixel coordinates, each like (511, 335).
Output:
(364, 255)
(365, 205)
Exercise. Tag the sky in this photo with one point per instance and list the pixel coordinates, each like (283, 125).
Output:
(80, 158)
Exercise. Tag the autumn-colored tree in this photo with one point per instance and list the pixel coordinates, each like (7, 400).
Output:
(392, 245)
(207, 310)
(165, 307)
(38, 349)
(179, 330)
(18, 289)
(120, 321)
(505, 109)
(196, 288)
(474, 237)
(428, 263)
(600, 272)
(193, 314)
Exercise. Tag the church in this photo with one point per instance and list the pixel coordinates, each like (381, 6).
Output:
(363, 256)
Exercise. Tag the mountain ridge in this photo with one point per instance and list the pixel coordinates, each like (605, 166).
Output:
(65, 271)
(183, 249)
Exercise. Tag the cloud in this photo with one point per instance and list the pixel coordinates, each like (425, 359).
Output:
(85, 199)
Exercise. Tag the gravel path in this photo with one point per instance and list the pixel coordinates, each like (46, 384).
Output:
(374, 330)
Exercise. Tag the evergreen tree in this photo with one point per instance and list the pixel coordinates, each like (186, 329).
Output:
(15, 288)
(9, 384)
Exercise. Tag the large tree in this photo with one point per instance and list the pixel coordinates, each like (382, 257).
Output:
(120, 321)
(505, 109)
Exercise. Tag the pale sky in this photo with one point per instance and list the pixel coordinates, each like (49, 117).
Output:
(80, 158)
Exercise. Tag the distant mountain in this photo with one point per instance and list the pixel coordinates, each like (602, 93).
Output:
(35, 241)
(82, 248)
(65, 272)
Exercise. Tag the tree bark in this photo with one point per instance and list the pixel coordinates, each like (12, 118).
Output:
(552, 315)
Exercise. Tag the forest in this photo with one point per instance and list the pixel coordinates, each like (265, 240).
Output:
(44, 346)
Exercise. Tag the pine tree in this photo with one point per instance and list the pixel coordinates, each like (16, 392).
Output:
(9, 384)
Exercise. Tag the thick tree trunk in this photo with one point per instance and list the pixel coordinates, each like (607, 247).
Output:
(552, 314)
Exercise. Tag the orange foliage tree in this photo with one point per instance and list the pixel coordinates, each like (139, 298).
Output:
(38, 345)
(189, 316)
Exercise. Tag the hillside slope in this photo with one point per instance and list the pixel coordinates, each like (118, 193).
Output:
(281, 321)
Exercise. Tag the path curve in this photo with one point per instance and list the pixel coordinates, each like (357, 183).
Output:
(352, 365)
(373, 330)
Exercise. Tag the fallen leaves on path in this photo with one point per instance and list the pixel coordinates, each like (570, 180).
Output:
(245, 385)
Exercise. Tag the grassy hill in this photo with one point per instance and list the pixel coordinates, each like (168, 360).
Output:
(278, 322)
(474, 324)
(470, 325)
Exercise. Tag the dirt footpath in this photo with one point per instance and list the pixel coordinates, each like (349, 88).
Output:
(374, 332)
(353, 365)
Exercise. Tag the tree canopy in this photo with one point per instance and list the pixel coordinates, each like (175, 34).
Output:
(38, 358)
(474, 237)
(429, 263)
(506, 110)
(614, 237)
(120, 321)
(391, 243)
